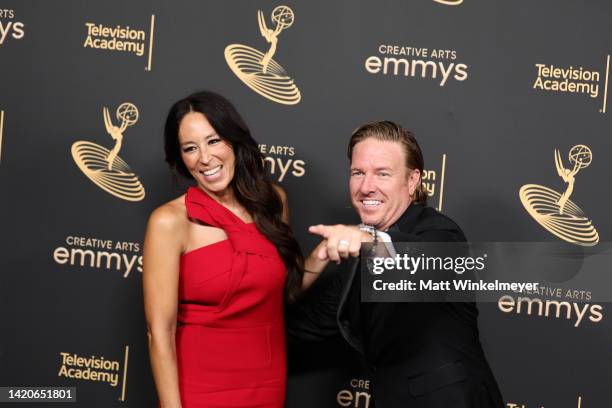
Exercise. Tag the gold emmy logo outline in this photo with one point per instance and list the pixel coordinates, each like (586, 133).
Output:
(449, 2)
(104, 167)
(259, 71)
(556, 212)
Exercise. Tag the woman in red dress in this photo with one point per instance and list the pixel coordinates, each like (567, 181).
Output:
(219, 261)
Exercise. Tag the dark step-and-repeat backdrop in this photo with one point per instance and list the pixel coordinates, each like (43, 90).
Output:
(505, 97)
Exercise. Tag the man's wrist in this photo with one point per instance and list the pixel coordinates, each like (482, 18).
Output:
(371, 231)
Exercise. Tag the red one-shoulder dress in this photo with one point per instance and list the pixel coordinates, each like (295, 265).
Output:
(230, 339)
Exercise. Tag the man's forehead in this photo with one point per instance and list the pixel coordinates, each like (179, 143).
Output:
(377, 152)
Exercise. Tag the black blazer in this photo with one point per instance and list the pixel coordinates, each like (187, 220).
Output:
(421, 354)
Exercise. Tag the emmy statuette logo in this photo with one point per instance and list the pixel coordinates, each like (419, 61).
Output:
(555, 211)
(105, 168)
(259, 71)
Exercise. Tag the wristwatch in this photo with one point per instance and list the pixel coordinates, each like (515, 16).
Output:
(370, 230)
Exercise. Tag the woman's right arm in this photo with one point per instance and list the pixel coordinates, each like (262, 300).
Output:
(162, 251)
(314, 264)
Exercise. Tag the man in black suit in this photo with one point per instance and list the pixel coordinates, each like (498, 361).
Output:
(421, 354)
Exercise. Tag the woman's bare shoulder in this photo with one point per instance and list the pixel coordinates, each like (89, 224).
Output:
(171, 216)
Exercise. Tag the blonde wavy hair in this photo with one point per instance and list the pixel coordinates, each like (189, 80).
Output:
(386, 130)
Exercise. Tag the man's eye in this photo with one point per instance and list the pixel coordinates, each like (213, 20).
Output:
(383, 174)
(356, 173)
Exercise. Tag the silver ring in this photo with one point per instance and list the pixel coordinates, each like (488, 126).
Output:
(343, 243)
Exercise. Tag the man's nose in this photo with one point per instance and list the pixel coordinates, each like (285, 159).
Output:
(368, 184)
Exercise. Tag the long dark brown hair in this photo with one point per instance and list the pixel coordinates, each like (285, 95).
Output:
(251, 185)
